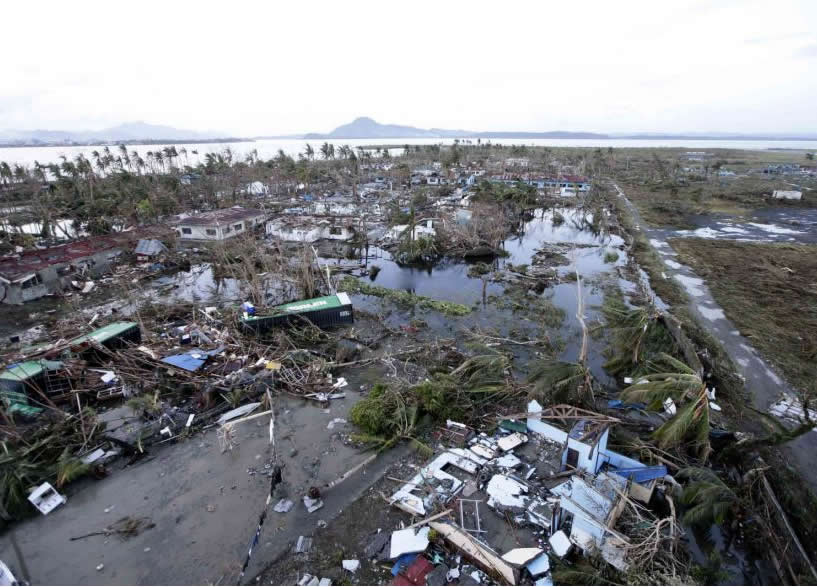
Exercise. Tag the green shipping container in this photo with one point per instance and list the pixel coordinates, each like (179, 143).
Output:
(323, 312)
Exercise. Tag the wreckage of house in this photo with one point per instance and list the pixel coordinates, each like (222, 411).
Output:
(219, 225)
(40, 272)
(503, 471)
(309, 229)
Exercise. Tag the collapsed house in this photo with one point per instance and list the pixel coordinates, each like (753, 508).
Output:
(149, 250)
(508, 472)
(36, 273)
(65, 366)
(424, 228)
(309, 229)
(585, 446)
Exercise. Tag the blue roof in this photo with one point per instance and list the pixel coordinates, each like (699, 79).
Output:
(192, 360)
(642, 474)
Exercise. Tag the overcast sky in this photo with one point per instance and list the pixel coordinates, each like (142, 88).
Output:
(281, 67)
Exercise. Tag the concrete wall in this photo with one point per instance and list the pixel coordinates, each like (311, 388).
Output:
(590, 459)
(199, 233)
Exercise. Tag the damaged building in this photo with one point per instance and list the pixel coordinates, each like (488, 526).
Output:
(36, 273)
(309, 229)
(219, 225)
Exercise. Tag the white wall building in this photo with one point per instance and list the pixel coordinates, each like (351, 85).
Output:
(304, 229)
(787, 195)
(219, 225)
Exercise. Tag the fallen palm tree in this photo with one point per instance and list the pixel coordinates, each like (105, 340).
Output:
(690, 424)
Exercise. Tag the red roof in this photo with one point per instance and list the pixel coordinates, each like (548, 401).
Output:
(415, 574)
(17, 266)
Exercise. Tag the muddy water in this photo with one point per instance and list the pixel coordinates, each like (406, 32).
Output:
(449, 281)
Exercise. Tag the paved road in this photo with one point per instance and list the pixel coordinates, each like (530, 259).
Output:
(191, 544)
(765, 386)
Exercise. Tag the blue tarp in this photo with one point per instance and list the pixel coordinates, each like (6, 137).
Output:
(642, 474)
(192, 360)
(403, 562)
(617, 404)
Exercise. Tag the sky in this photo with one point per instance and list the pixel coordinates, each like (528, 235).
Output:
(261, 68)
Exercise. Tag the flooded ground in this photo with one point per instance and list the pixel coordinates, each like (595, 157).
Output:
(205, 503)
(450, 281)
(775, 224)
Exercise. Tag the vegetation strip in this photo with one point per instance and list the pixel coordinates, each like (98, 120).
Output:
(352, 285)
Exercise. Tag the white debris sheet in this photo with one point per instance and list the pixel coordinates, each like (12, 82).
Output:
(408, 541)
(521, 556)
(560, 543)
(506, 492)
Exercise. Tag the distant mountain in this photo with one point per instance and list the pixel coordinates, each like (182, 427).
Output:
(128, 132)
(366, 128)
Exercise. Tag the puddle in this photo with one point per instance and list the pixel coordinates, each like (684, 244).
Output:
(711, 313)
(693, 285)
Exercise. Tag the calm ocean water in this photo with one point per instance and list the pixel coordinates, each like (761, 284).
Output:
(268, 148)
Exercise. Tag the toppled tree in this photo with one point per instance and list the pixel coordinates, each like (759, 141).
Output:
(691, 422)
(637, 336)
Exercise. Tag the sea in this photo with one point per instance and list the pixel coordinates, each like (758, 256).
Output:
(268, 148)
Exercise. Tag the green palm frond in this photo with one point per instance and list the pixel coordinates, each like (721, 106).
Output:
(561, 382)
(689, 426)
(709, 498)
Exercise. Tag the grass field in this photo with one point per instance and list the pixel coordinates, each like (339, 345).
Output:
(770, 292)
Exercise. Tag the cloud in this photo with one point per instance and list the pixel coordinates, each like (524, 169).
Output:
(807, 51)
(767, 39)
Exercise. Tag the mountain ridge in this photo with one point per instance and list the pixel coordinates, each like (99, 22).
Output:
(125, 132)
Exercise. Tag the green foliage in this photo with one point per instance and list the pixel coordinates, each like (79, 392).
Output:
(520, 194)
(234, 397)
(377, 414)
(610, 257)
(420, 249)
(708, 499)
(45, 454)
(145, 404)
(561, 382)
(637, 336)
(690, 426)
(652, 389)
(352, 285)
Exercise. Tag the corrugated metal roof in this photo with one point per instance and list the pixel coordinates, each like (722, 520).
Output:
(149, 246)
(192, 360)
(105, 333)
(28, 369)
(225, 215)
(642, 474)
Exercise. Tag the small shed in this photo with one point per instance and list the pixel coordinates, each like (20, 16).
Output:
(149, 249)
(115, 335)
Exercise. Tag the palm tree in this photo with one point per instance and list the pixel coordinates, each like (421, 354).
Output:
(309, 152)
(682, 384)
(709, 498)
(325, 150)
(561, 382)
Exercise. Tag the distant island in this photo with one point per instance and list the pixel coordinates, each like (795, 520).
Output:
(128, 133)
(367, 128)
(364, 127)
